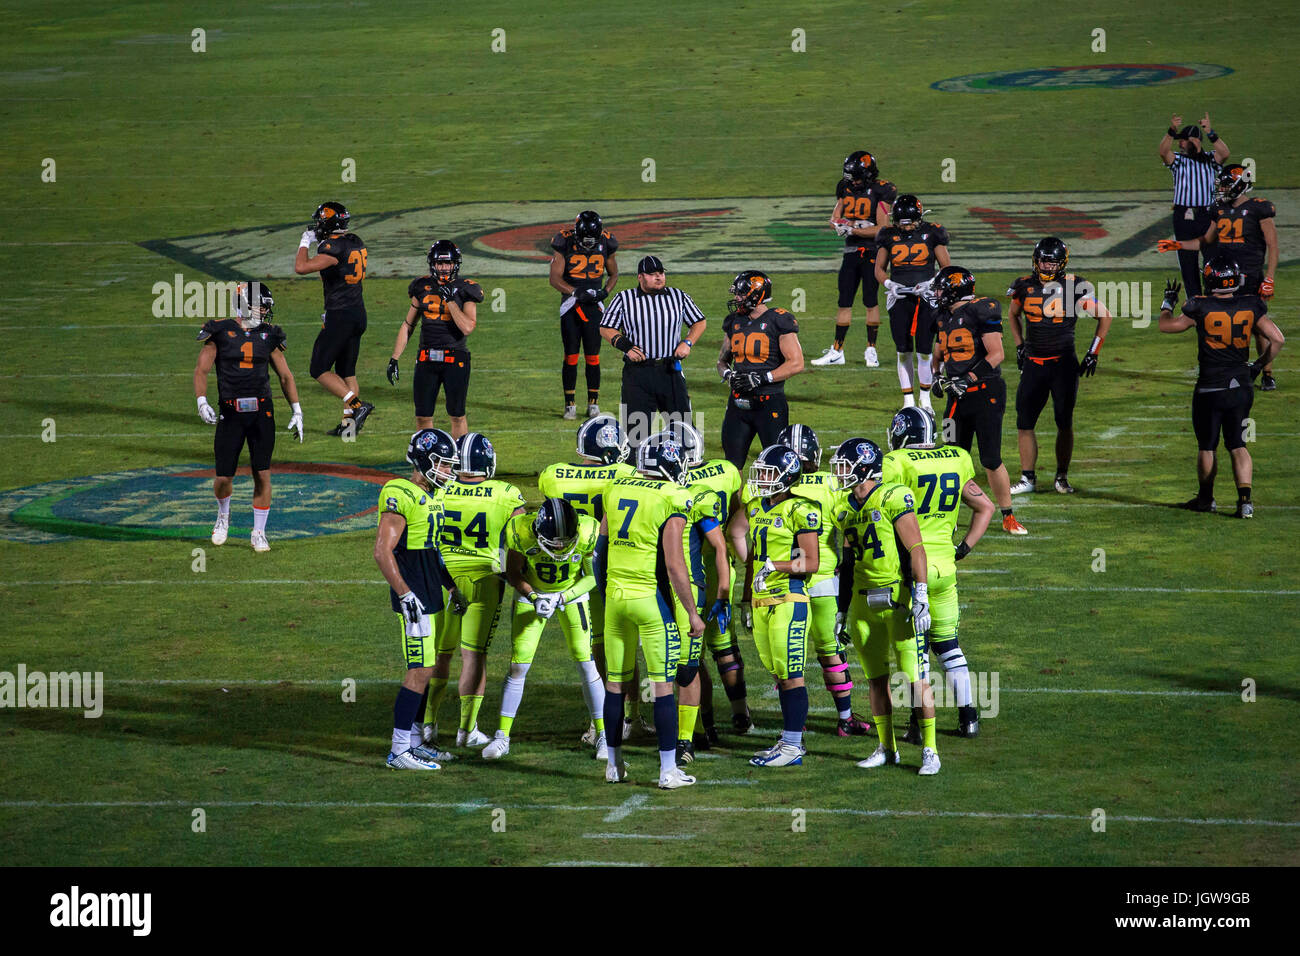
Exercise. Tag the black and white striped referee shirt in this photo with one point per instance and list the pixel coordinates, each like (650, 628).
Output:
(1194, 178)
(653, 321)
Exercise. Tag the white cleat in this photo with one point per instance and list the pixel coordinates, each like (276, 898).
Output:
(870, 357)
(880, 757)
(602, 748)
(1022, 487)
(589, 738)
(221, 529)
(570, 413)
(616, 774)
(675, 779)
(498, 748)
(410, 760)
(593, 410)
(830, 357)
(433, 753)
(767, 751)
(471, 738)
(258, 540)
(929, 762)
(782, 755)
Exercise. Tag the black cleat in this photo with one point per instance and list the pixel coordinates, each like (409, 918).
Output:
(1268, 383)
(913, 735)
(742, 723)
(685, 752)
(1200, 504)
(1063, 486)
(853, 726)
(1244, 510)
(338, 429)
(361, 413)
(968, 722)
(706, 737)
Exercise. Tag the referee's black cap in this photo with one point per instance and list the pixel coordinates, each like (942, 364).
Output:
(649, 264)
(1189, 132)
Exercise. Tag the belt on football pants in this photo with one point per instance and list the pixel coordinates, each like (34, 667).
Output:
(781, 599)
(1043, 361)
(437, 355)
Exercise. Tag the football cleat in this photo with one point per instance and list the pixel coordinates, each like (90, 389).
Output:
(673, 779)
(685, 752)
(593, 410)
(432, 753)
(913, 735)
(221, 529)
(830, 357)
(410, 760)
(1268, 383)
(570, 413)
(1011, 526)
(338, 429)
(853, 726)
(590, 737)
(782, 755)
(870, 357)
(627, 729)
(929, 763)
(968, 721)
(498, 748)
(602, 748)
(1063, 486)
(361, 413)
(1244, 510)
(706, 737)
(766, 751)
(1023, 487)
(1199, 504)
(615, 774)
(258, 540)
(880, 757)
(742, 723)
(471, 738)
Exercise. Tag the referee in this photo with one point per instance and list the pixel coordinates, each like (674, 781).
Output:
(1194, 171)
(646, 324)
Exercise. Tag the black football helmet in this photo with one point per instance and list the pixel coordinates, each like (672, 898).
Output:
(1233, 181)
(587, 228)
(749, 289)
(857, 460)
(444, 252)
(1051, 256)
(805, 442)
(601, 439)
(951, 285)
(556, 528)
(775, 470)
(907, 211)
(1221, 274)
(254, 304)
(692, 442)
(662, 456)
(860, 168)
(430, 449)
(477, 456)
(329, 218)
(912, 427)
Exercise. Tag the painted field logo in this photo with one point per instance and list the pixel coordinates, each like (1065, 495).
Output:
(175, 501)
(1110, 75)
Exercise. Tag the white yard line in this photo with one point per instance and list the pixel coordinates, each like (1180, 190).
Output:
(625, 809)
(592, 863)
(638, 836)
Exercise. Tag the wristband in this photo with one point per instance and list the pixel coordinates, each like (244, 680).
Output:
(1173, 133)
(1212, 136)
(688, 343)
(768, 377)
(622, 343)
(1095, 347)
(531, 596)
(304, 243)
(981, 368)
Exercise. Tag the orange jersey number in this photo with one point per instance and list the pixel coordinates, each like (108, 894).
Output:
(1223, 330)
(433, 308)
(357, 260)
(749, 348)
(586, 267)
(918, 251)
(1230, 230)
(958, 345)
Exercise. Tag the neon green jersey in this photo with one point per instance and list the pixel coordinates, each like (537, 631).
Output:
(544, 572)
(773, 530)
(581, 485)
(712, 484)
(420, 509)
(474, 517)
(868, 528)
(822, 488)
(936, 477)
(635, 512)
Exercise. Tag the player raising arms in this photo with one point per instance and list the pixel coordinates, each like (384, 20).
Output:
(970, 351)
(341, 261)
(241, 349)
(1225, 320)
(583, 271)
(861, 210)
(1051, 300)
(878, 524)
(941, 478)
(447, 308)
(912, 249)
(406, 551)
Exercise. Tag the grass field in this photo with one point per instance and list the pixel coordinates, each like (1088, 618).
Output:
(1120, 690)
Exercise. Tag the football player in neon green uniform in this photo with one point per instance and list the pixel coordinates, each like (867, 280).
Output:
(475, 510)
(878, 523)
(823, 587)
(941, 477)
(548, 562)
(640, 555)
(777, 534)
(406, 551)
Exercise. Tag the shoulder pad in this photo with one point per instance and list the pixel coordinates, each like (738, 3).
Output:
(209, 329)
(471, 290)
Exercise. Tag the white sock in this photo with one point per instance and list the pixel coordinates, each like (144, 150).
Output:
(615, 756)
(924, 395)
(905, 372)
(401, 741)
(259, 519)
(667, 760)
(908, 399)
(417, 738)
(348, 397)
(593, 690)
(223, 507)
(954, 665)
(924, 374)
(514, 689)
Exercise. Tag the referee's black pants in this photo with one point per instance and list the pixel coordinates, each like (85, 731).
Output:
(1189, 260)
(765, 417)
(656, 385)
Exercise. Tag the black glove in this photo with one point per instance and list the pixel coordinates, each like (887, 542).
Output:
(1020, 355)
(747, 383)
(582, 295)
(598, 295)
(963, 549)
(1255, 368)
(956, 387)
(392, 371)
(1172, 288)
(1088, 366)
(936, 388)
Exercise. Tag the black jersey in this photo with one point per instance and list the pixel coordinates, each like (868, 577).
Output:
(1224, 327)
(961, 333)
(1239, 231)
(1051, 309)
(243, 356)
(343, 280)
(584, 268)
(909, 255)
(863, 205)
(756, 343)
(437, 330)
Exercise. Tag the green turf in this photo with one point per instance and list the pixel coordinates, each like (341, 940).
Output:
(153, 141)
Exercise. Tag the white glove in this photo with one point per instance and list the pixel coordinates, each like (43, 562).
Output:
(921, 608)
(861, 224)
(545, 604)
(307, 239)
(760, 576)
(206, 411)
(843, 229)
(841, 629)
(295, 423)
(413, 615)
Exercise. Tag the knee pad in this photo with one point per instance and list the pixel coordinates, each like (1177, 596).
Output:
(686, 674)
(518, 671)
(571, 359)
(837, 676)
(736, 663)
(591, 359)
(949, 653)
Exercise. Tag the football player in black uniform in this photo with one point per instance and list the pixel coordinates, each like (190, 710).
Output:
(1051, 300)
(241, 349)
(341, 261)
(760, 350)
(447, 307)
(967, 360)
(1224, 319)
(584, 272)
(862, 203)
(912, 249)
(1245, 230)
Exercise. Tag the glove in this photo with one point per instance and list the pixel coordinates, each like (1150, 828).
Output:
(1255, 368)
(1168, 245)
(393, 374)
(936, 389)
(206, 411)
(726, 374)
(760, 576)
(295, 423)
(307, 239)
(841, 629)
(413, 616)
(921, 608)
(545, 604)
(956, 387)
(747, 383)
(1088, 366)
(1021, 349)
(747, 614)
(721, 612)
(963, 549)
(1172, 288)
(598, 295)
(842, 227)
(459, 603)
(1266, 287)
